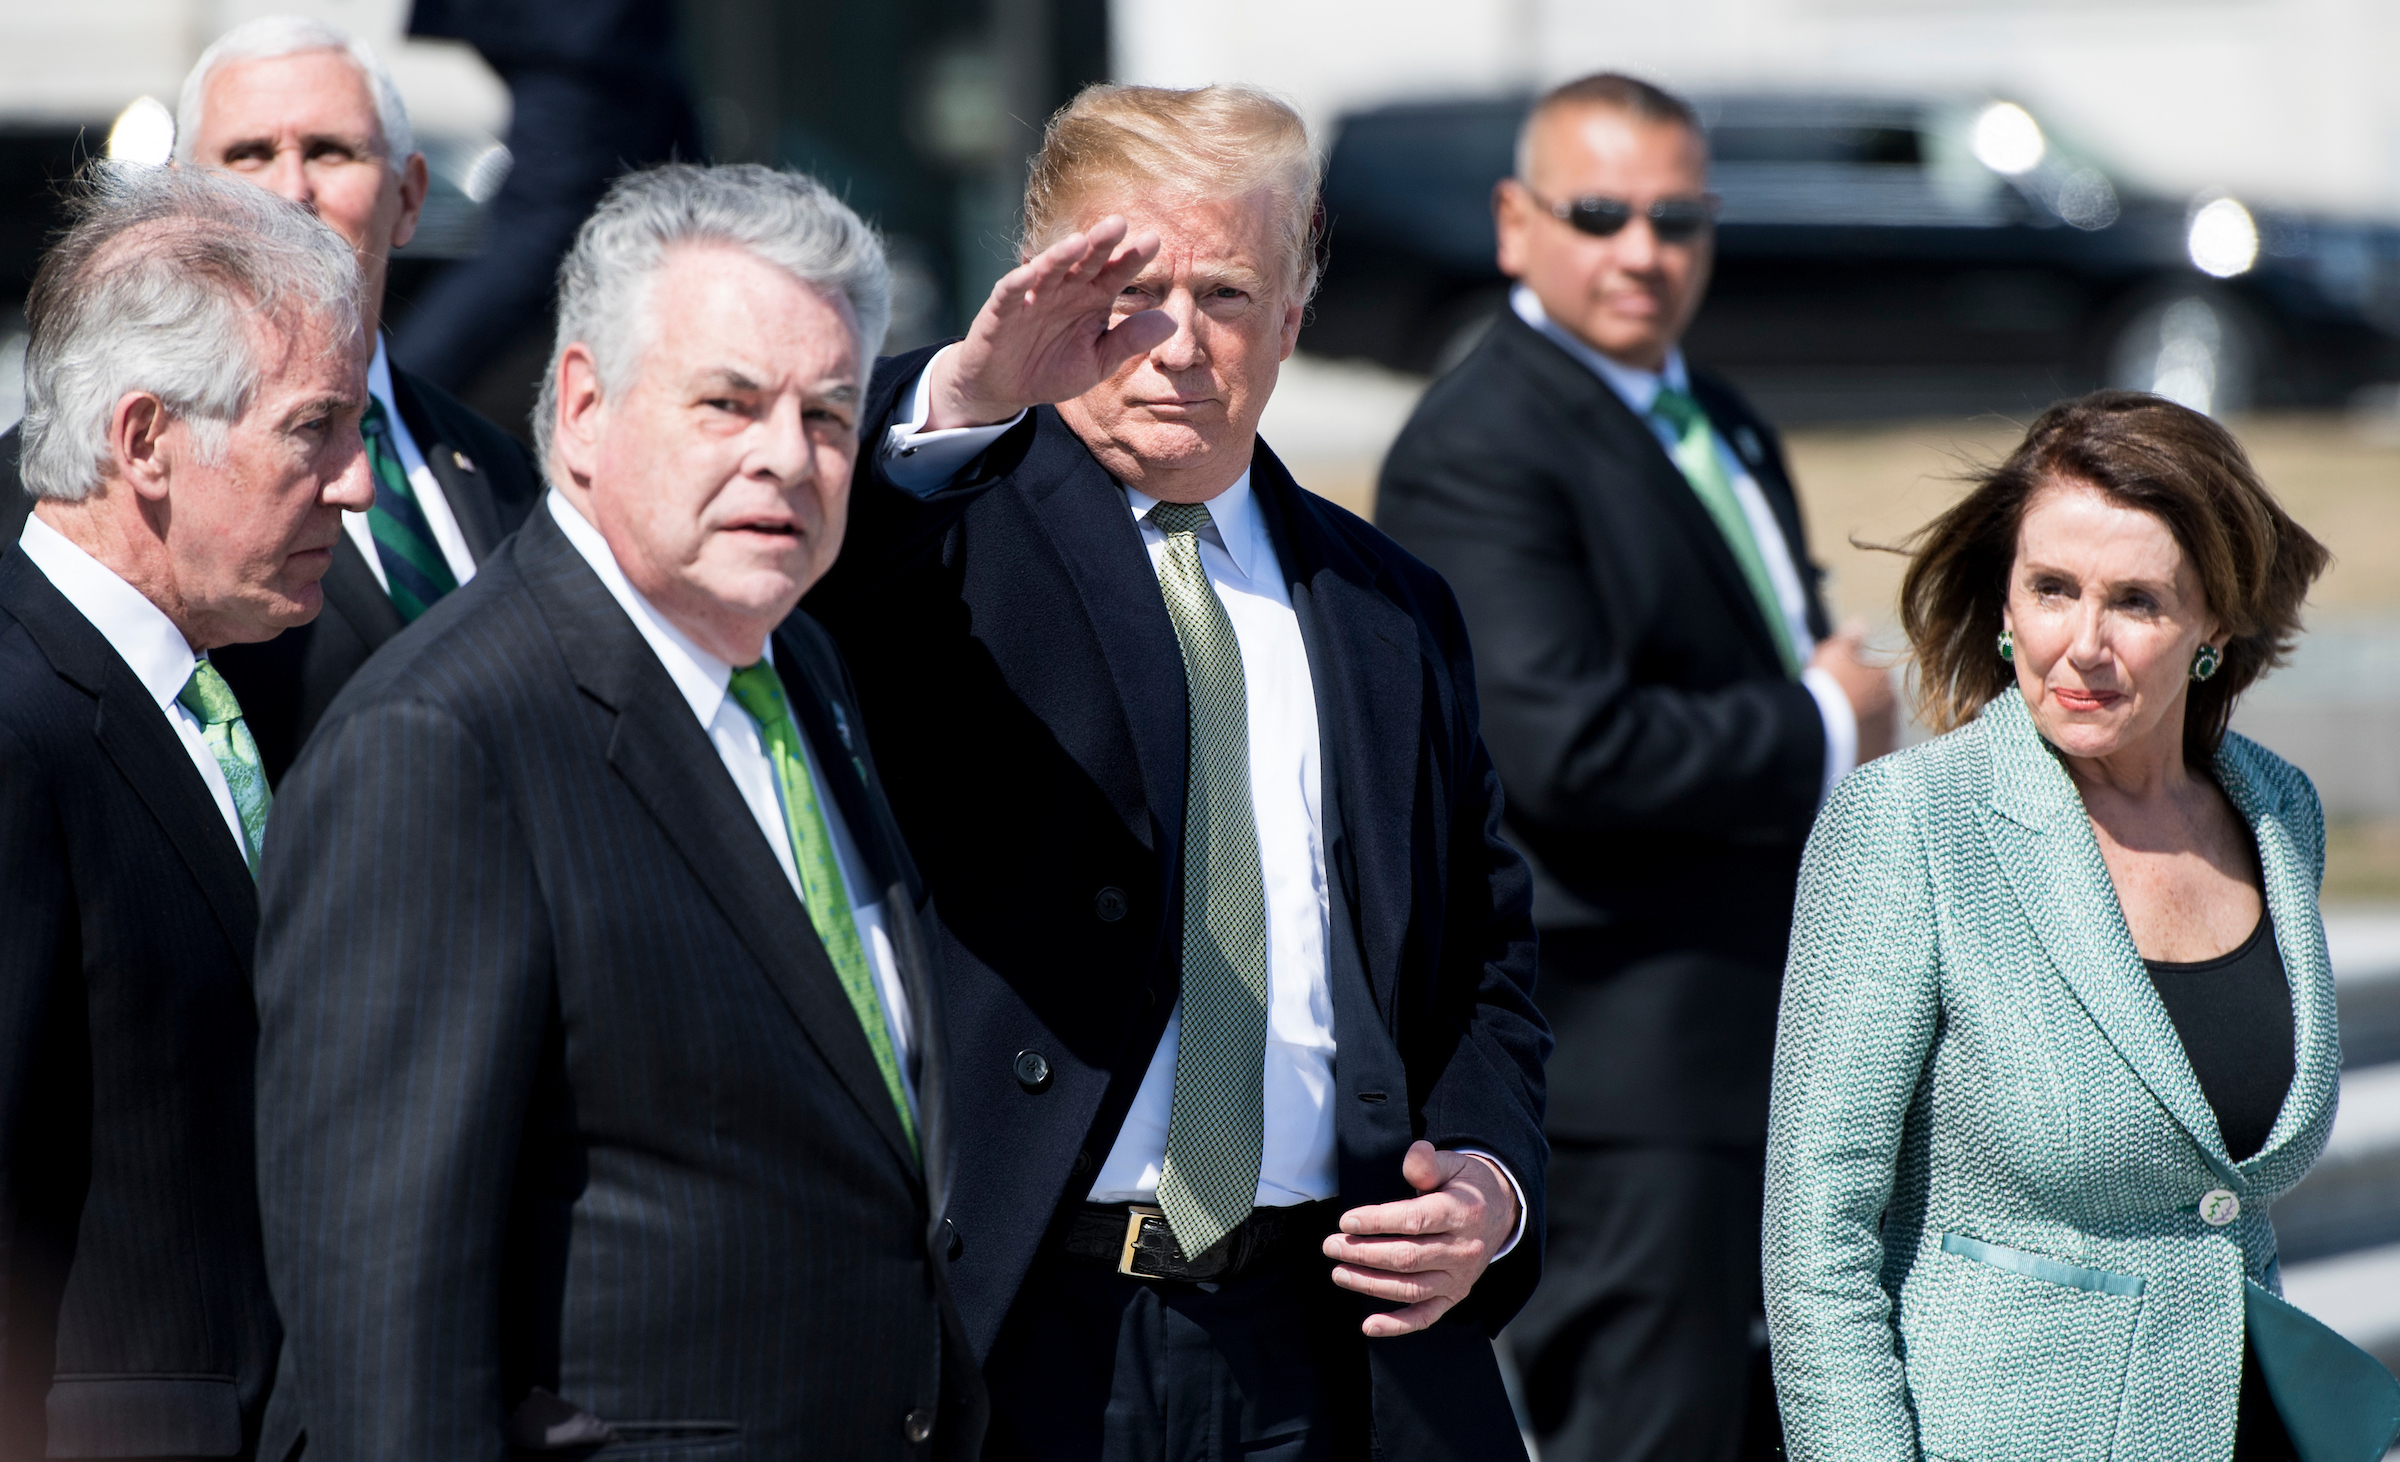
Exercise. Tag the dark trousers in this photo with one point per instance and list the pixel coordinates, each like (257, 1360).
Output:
(1646, 1338)
(1093, 1366)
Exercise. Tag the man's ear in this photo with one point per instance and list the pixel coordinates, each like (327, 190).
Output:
(137, 449)
(415, 182)
(1509, 208)
(582, 415)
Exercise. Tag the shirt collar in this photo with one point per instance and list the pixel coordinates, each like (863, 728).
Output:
(1234, 515)
(701, 676)
(1638, 388)
(138, 630)
(379, 380)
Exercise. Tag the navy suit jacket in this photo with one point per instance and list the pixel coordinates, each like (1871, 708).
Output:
(134, 1314)
(1027, 693)
(558, 1091)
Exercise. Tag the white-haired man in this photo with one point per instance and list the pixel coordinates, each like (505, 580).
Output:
(1248, 1073)
(193, 390)
(599, 1059)
(308, 112)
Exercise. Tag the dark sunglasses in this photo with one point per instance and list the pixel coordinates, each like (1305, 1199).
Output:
(1674, 220)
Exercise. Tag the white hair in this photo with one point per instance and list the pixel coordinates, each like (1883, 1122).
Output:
(271, 36)
(786, 219)
(161, 284)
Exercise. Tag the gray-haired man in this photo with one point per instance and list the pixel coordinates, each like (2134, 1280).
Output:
(600, 1081)
(193, 391)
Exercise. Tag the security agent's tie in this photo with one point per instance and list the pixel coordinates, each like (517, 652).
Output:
(1216, 1126)
(759, 691)
(1704, 468)
(211, 702)
(412, 561)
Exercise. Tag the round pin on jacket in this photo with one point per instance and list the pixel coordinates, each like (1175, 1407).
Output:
(2219, 1207)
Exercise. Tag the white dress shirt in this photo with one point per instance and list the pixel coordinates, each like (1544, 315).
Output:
(705, 680)
(1639, 389)
(1297, 1156)
(421, 481)
(144, 638)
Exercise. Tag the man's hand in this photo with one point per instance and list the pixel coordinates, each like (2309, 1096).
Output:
(1868, 686)
(1427, 1251)
(1044, 334)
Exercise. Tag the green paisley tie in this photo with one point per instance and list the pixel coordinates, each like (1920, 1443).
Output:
(211, 701)
(1216, 1126)
(759, 691)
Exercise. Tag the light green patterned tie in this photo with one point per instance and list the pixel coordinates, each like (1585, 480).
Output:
(1704, 468)
(1216, 1127)
(759, 691)
(211, 700)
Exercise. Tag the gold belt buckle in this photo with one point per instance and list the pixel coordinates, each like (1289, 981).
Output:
(1135, 1215)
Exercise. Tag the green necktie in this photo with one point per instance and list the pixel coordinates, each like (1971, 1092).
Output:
(210, 699)
(413, 566)
(758, 690)
(1216, 1127)
(1704, 468)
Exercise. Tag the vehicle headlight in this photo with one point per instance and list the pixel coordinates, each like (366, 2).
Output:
(2222, 238)
(144, 133)
(2007, 139)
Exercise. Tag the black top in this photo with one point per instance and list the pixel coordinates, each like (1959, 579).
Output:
(2234, 1014)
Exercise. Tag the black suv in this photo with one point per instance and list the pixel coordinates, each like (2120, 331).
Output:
(1881, 257)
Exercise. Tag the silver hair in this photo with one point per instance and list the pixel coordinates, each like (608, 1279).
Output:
(271, 36)
(161, 285)
(786, 219)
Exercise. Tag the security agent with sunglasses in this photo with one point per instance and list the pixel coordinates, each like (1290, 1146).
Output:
(1667, 706)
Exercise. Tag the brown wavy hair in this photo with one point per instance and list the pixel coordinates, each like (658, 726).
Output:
(2255, 563)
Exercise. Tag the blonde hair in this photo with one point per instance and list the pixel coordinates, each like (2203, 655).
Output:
(1162, 145)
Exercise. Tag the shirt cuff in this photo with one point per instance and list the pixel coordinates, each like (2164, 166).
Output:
(924, 462)
(1841, 726)
(1513, 1186)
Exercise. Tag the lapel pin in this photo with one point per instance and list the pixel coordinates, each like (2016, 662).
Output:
(465, 462)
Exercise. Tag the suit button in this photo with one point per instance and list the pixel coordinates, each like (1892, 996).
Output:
(1083, 1164)
(1109, 903)
(953, 1243)
(918, 1427)
(2219, 1207)
(1033, 1070)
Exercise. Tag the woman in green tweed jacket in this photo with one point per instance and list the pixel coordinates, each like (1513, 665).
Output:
(2058, 1025)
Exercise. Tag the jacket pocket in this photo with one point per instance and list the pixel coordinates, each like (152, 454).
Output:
(2012, 1354)
(145, 1416)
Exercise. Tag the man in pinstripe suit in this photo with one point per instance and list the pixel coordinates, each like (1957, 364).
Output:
(600, 1076)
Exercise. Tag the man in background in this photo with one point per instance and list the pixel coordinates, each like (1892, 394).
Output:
(307, 112)
(1667, 706)
(193, 389)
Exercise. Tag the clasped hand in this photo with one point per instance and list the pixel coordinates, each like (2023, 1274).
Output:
(1426, 1251)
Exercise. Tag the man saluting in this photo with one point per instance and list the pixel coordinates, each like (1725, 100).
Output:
(1248, 1077)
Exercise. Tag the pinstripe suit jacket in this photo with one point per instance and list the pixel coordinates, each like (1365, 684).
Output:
(134, 1314)
(557, 1087)
(1971, 1057)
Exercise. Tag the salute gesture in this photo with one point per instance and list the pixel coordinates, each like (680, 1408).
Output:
(1045, 335)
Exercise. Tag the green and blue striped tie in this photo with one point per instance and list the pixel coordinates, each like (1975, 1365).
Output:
(413, 566)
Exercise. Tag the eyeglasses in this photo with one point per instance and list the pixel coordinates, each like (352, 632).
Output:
(1674, 220)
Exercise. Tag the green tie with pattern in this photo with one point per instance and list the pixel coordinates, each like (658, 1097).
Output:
(1216, 1126)
(1704, 468)
(759, 691)
(413, 566)
(211, 702)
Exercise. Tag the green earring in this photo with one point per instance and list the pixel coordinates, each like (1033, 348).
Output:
(2205, 661)
(2008, 645)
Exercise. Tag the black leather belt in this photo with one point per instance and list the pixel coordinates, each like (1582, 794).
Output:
(1132, 1238)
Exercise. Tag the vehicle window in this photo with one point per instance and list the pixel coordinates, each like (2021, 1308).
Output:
(1738, 143)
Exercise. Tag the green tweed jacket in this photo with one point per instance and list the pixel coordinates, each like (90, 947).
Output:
(1987, 1155)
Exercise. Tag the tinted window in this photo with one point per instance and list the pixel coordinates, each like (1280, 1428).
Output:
(1752, 143)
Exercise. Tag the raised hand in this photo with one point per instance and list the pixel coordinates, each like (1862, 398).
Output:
(1044, 335)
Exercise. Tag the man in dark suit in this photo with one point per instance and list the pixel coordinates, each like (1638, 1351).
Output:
(1249, 1078)
(600, 1063)
(301, 109)
(193, 455)
(1667, 706)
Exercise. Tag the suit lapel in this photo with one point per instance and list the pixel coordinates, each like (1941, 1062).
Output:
(667, 762)
(1734, 422)
(1623, 437)
(1363, 659)
(2046, 849)
(351, 588)
(145, 750)
(462, 481)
